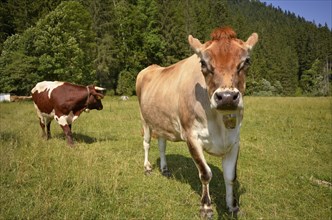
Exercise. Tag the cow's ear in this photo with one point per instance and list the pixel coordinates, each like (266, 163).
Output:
(99, 97)
(252, 40)
(195, 44)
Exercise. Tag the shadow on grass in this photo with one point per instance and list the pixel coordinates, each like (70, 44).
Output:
(184, 170)
(83, 138)
(78, 138)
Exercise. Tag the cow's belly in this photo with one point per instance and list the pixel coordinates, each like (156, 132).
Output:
(162, 119)
(167, 128)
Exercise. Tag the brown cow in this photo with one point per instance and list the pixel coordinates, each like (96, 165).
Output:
(64, 102)
(199, 100)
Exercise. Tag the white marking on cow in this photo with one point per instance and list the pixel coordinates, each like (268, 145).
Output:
(44, 117)
(46, 85)
(66, 119)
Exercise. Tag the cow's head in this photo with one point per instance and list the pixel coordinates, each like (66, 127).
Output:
(224, 63)
(95, 97)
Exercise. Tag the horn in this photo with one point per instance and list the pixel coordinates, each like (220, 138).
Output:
(99, 88)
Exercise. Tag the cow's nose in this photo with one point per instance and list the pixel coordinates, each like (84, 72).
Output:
(227, 100)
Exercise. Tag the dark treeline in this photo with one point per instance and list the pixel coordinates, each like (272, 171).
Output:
(107, 42)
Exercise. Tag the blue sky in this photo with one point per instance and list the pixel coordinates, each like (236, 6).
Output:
(312, 10)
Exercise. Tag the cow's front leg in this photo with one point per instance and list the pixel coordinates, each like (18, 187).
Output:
(62, 120)
(229, 163)
(66, 129)
(205, 176)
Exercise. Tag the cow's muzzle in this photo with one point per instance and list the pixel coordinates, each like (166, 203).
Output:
(227, 100)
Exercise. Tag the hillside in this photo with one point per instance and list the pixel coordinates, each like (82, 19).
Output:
(109, 42)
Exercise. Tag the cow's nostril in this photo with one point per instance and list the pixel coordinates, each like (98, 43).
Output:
(218, 96)
(236, 96)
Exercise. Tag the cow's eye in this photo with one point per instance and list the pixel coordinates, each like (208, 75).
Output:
(244, 65)
(247, 61)
(205, 68)
(203, 64)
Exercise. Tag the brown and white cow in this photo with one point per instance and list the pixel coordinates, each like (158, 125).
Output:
(199, 100)
(64, 102)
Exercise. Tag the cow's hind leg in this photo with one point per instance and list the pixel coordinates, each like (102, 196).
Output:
(45, 123)
(146, 144)
(41, 121)
(163, 164)
(42, 126)
(205, 176)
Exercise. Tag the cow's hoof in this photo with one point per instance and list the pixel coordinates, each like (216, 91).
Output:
(147, 172)
(166, 173)
(206, 213)
(147, 168)
(234, 211)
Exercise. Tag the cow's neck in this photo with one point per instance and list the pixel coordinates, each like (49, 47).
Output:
(230, 120)
(82, 101)
(87, 98)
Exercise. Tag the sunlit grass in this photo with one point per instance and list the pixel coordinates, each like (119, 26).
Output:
(285, 142)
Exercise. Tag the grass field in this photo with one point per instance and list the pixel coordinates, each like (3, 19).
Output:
(284, 168)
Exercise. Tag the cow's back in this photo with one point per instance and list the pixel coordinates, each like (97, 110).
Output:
(166, 94)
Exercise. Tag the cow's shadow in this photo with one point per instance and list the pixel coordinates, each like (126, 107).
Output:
(184, 170)
(77, 137)
(82, 138)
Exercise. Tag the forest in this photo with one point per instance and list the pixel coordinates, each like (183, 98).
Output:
(107, 42)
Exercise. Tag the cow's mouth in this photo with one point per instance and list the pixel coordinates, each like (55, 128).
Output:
(227, 107)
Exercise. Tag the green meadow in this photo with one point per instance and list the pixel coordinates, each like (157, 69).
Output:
(284, 167)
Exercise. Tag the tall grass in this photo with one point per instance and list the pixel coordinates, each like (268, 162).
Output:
(285, 145)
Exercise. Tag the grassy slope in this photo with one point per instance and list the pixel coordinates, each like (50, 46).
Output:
(284, 143)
